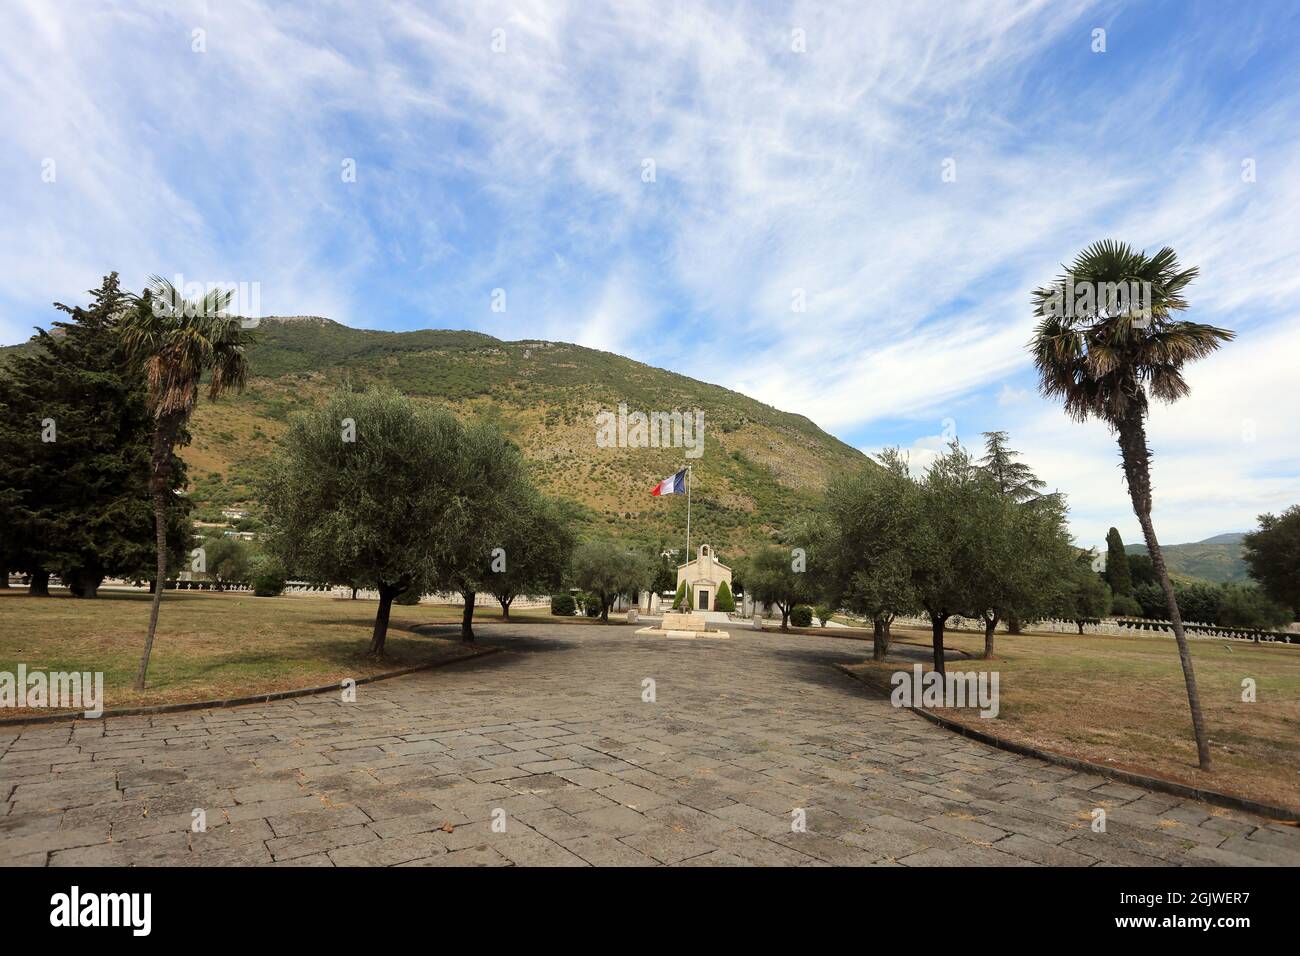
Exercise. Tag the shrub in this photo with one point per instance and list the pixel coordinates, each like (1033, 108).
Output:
(801, 615)
(563, 605)
(724, 600)
(408, 597)
(1124, 605)
(1152, 600)
(269, 580)
(824, 613)
(1249, 607)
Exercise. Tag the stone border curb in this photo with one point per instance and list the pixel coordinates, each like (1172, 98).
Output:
(242, 701)
(1101, 770)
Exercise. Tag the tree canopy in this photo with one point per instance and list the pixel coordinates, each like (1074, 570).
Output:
(1272, 554)
(377, 490)
(605, 570)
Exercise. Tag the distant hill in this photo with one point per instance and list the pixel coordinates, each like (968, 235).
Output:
(1216, 559)
(762, 468)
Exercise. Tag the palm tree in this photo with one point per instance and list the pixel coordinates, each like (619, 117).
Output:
(177, 343)
(1105, 358)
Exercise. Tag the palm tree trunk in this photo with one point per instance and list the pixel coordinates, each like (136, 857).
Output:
(160, 532)
(1137, 458)
(164, 436)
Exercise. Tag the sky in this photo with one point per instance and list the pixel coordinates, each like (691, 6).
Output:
(837, 208)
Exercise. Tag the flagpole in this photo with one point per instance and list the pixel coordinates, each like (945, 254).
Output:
(688, 514)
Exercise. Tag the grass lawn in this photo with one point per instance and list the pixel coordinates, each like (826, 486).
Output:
(1122, 702)
(212, 645)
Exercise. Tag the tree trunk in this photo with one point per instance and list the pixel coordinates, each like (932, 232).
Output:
(879, 637)
(505, 607)
(160, 533)
(380, 634)
(1133, 449)
(4, 578)
(354, 594)
(467, 618)
(1079, 625)
(604, 609)
(990, 626)
(936, 628)
(84, 584)
(40, 586)
(785, 616)
(1013, 624)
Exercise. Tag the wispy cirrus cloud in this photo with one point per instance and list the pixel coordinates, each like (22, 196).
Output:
(798, 154)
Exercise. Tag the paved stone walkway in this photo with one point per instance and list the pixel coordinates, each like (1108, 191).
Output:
(553, 739)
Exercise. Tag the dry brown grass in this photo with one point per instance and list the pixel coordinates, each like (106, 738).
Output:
(213, 645)
(1122, 702)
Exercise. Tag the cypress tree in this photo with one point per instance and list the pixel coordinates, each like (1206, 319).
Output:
(1118, 574)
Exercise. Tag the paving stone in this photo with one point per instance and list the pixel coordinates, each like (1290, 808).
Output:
(400, 849)
(560, 741)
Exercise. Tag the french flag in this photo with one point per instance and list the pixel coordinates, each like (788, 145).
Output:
(672, 485)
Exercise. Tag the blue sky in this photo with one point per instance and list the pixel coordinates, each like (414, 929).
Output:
(522, 168)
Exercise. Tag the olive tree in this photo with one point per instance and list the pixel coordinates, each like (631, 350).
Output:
(536, 544)
(780, 576)
(866, 526)
(607, 570)
(494, 489)
(372, 488)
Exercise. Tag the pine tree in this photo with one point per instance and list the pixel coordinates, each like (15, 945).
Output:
(76, 438)
(1118, 574)
(1014, 479)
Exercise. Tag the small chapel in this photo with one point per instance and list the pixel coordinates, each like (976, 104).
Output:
(703, 576)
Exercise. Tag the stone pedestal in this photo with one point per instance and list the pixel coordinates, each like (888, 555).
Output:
(632, 615)
(684, 621)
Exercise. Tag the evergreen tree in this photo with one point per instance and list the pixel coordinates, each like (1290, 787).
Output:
(76, 438)
(1014, 479)
(1118, 573)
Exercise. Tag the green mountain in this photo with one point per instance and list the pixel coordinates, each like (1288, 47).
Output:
(1216, 559)
(761, 468)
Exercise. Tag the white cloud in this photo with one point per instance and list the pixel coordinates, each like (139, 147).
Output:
(776, 171)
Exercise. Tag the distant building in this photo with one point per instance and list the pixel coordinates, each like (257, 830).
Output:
(703, 576)
(240, 535)
(234, 514)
